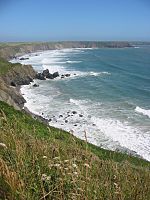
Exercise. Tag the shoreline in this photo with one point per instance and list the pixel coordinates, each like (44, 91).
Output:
(46, 121)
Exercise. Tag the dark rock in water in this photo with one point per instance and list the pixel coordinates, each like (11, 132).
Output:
(40, 76)
(74, 112)
(49, 76)
(60, 115)
(23, 58)
(66, 121)
(13, 84)
(74, 74)
(67, 75)
(93, 124)
(55, 74)
(75, 124)
(80, 115)
(35, 85)
(45, 72)
(50, 120)
(62, 76)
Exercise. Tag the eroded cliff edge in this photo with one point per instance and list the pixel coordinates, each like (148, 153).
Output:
(12, 76)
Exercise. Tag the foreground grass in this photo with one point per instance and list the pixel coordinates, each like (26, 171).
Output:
(40, 162)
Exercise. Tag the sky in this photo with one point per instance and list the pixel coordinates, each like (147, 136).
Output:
(61, 20)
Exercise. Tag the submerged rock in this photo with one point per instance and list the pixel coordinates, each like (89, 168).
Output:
(24, 58)
(74, 112)
(67, 75)
(35, 85)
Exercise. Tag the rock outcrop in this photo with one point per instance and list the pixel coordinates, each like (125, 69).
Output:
(10, 81)
(45, 74)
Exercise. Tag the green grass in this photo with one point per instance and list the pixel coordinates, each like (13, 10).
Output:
(42, 162)
(5, 66)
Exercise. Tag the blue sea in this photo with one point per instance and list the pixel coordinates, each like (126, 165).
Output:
(109, 90)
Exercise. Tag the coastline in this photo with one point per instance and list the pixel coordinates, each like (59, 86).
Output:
(76, 129)
(46, 119)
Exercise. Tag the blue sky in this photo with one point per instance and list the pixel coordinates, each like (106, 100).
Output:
(46, 20)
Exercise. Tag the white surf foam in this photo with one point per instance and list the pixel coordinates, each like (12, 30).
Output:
(127, 136)
(142, 111)
(73, 61)
(106, 132)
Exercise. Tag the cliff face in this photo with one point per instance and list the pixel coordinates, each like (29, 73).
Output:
(16, 76)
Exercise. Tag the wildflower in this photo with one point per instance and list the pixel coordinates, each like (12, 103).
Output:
(87, 165)
(66, 168)
(75, 173)
(3, 145)
(66, 161)
(74, 165)
(48, 178)
(56, 165)
(44, 157)
(44, 176)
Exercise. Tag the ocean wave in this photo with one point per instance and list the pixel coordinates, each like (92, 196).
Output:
(143, 111)
(127, 136)
(78, 102)
(98, 73)
(73, 61)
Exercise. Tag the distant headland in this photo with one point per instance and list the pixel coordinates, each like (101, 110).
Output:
(10, 50)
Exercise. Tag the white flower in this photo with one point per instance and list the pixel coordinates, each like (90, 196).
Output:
(66, 161)
(74, 165)
(87, 165)
(3, 145)
(44, 176)
(56, 165)
(44, 157)
(75, 173)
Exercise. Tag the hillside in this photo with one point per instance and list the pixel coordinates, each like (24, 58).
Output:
(40, 162)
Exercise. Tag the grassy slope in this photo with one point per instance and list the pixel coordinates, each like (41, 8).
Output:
(42, 162)
(5, 66)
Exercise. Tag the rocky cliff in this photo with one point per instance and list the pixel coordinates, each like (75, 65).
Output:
(10, 82)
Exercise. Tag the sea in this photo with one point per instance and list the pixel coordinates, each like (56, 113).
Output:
(106, 98)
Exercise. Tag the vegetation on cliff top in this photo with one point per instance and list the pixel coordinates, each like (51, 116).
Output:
(41, 162)
(5, 66)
